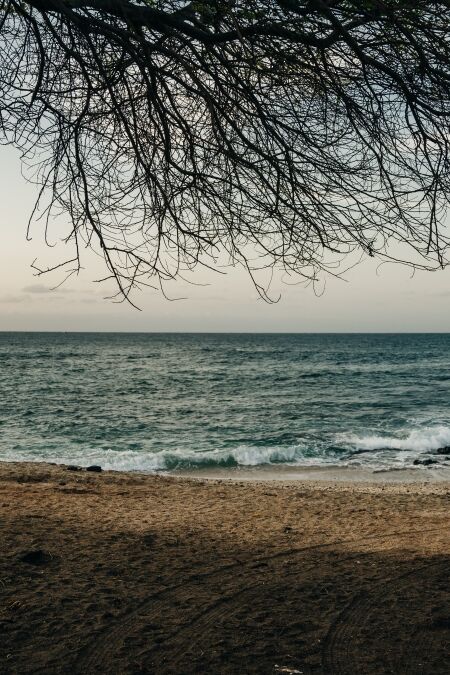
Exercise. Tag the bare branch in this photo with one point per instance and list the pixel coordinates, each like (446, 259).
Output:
(275, 133)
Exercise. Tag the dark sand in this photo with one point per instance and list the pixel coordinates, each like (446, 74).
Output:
(140, 574)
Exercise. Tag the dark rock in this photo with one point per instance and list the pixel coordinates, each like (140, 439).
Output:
(36, 557)
(95, 468)
(73, 467)
(444, 451)
(424, 462)
(441, 622)
(149, 539)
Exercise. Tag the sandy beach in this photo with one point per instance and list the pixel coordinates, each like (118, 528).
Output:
(130, 573)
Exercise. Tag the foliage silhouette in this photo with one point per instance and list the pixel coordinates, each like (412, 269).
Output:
(272, 133)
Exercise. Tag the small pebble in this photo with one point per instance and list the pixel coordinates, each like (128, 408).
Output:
(35, 557)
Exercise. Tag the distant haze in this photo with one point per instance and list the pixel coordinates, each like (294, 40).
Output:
(388, 301)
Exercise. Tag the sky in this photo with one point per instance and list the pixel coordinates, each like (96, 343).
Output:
(369, 299)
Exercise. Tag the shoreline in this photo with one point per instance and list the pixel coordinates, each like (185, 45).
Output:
(281, 473)
(124, 572)
(317, 474)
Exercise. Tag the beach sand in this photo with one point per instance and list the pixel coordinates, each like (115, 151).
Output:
(128, 573)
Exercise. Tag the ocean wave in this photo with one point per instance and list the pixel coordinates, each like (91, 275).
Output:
(374, 451)
(243, 455)
(138, 460)
(426, 439)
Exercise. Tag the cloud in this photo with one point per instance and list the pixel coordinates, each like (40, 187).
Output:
(36, 288)
(12, 299)
(41, 289)
(441, 294)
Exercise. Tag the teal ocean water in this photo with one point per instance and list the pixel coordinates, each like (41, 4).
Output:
(160, 402)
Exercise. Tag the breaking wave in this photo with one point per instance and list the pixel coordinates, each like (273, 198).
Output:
(426, 439)
(138, 460)
(374, 451)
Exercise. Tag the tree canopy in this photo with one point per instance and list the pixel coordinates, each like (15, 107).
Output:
(280, 133)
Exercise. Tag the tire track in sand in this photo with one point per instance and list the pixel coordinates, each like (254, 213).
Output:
(356, 634)
(99, 655)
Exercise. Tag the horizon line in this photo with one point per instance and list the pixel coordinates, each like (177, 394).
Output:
(218, 332)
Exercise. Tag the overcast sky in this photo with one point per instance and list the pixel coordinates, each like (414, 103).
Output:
(388, 300)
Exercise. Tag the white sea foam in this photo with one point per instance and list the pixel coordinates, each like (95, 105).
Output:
(425, 439)
(139, 460)
(377, 451)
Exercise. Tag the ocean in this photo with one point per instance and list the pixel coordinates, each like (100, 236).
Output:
(165, 402)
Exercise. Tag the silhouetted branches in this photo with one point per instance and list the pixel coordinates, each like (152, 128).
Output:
(279, 132)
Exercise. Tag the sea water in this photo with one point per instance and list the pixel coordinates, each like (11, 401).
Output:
(161, 402)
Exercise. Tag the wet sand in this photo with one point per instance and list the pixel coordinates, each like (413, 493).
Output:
(355, 474)
(128, 573)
